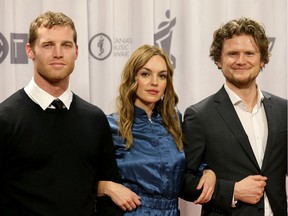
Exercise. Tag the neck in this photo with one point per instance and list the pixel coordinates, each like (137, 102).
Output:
(55, 89)
(148, 109)
(248, 95)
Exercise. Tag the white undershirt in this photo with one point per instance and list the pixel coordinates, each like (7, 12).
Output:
(43, 98)
(256, 128)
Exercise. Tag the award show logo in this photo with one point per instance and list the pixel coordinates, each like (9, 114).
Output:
(4, 47)
(272, 42)
(100, 46)
(163, 37)
(17, 48)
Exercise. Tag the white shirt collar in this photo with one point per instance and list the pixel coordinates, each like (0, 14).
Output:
(236, 99)
(43, 98)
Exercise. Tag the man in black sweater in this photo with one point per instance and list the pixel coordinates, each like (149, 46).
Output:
(51, 156)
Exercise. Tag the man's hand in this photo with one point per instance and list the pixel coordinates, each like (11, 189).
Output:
(250, 189)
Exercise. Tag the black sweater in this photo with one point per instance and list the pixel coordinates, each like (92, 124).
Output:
(50, 160)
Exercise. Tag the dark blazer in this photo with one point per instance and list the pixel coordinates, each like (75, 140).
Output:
(213, 134)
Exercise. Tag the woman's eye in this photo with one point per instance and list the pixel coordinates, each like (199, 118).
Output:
(163, 76)
(144, 74)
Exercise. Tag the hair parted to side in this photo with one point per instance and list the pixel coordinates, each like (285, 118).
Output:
(241, 26)
(127, 96)
(48, 20)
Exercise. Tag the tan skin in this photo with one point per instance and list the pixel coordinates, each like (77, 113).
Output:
(152, 82)
(241, 63)
(54, 56)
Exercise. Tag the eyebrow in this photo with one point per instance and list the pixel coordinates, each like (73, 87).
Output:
(162, 71)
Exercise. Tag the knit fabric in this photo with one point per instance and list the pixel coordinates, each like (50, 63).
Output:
(50, 160)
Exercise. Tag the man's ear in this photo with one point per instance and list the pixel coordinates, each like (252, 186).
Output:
(76, 54)
(29, 51)
(219, 65)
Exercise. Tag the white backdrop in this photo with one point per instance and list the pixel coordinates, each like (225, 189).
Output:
(110, 30)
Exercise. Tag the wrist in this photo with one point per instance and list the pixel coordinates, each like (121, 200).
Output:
(201, 168)
(104, 188)
(235, 192)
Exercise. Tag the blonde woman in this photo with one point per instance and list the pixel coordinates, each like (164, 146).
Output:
(147, 138)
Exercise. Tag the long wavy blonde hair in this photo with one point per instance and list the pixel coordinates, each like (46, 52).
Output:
(127, 96)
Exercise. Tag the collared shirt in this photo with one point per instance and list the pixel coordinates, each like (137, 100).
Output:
(153, 167)
(43, 98)
(256, 128)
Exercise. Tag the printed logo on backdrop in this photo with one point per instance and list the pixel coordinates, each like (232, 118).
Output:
(4, 47)
(101, 46)
(121, 46)
(272, 42)
(163, 37)
(17, 48)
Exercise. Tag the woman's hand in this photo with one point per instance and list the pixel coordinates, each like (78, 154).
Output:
(207, 184)
(122, 196)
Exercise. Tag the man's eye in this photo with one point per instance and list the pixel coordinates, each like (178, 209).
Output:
(233, 54)
(47, 45)
(250, 54)
(68, 45)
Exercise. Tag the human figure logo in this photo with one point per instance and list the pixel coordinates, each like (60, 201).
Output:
(163, 37)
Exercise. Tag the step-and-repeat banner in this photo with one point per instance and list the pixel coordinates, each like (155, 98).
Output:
(110, 30)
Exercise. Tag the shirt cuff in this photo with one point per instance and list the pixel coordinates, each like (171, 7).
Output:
(234, 202)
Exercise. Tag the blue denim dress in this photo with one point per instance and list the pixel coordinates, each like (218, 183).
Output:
(153, 167)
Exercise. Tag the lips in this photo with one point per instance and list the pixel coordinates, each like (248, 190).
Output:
(57, 64)
(153, 92)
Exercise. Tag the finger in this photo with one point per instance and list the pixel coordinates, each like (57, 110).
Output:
(137, 201)
(123, 207)
(259, 178)
(202, 195)
(132, 205)
(206, 196)
(200, 184)
(204, 192)
(128, 207)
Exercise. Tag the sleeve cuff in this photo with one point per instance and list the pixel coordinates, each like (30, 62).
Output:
(201, 168)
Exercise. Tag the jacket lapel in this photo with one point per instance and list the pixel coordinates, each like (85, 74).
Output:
(226, 110)
(270, 113)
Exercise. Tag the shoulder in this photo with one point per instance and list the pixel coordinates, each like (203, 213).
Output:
(274, 98)
(86, 106)
(15, 96)
(113, 117)
(202, 105)
(178, 113)
(113, 120)
(14, 101)
(275, 104)
(211, 100)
